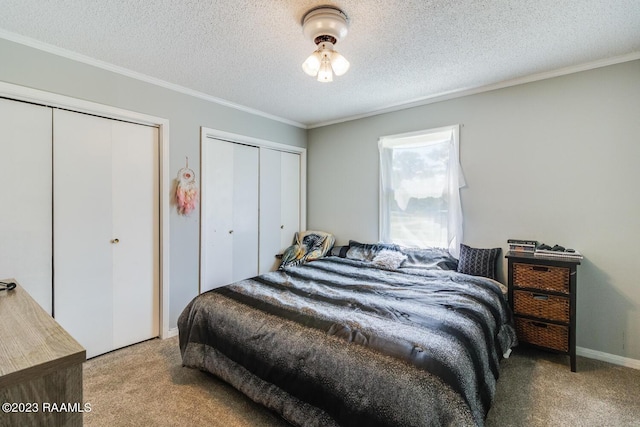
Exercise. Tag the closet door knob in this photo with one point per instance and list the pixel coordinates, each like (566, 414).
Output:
(115, 241)
(230, 231)
(282, 227)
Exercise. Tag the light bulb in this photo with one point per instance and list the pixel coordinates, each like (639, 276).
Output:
(325, 75)
(312, 64)
(339, 63)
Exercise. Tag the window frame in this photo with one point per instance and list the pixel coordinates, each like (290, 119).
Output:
(404, 139)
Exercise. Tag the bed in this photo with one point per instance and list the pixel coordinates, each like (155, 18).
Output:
(344, 340)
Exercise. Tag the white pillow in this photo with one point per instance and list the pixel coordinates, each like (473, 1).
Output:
(388, 259)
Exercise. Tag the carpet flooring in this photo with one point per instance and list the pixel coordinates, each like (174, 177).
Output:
(145, 385)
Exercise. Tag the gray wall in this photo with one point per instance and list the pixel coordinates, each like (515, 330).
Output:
(25, 66)
(554, 160)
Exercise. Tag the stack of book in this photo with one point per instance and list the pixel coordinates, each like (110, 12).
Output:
(527, 246)
(570, 254)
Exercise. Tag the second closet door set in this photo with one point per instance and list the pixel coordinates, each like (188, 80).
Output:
(250, 209)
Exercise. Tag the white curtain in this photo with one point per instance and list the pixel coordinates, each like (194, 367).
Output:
(456, 182)
(395, 191)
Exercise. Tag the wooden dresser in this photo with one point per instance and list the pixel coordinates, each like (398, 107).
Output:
(40, 366)
(542, 295)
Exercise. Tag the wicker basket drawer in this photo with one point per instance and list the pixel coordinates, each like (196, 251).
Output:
(541, 277)
(543, 334)
(541, 305)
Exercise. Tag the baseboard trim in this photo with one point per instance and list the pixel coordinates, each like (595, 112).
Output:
(173, 332)
(607, 357)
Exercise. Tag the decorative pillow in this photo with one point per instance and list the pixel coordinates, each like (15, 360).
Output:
(367, 251)
(429, 258)
(307, 246)
(389, 259)
(478, 262)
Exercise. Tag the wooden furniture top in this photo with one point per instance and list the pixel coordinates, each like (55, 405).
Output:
(32, 343)
(542, 259)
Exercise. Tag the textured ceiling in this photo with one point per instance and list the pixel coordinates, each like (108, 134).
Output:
(249, 52)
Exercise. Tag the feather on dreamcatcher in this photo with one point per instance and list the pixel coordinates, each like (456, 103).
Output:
(186, 190)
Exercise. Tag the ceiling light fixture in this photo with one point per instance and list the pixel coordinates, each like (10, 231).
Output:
(325, 25)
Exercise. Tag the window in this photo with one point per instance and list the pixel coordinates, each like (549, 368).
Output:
(420, 177)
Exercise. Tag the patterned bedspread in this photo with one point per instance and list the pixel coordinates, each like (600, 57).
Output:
(339, 342)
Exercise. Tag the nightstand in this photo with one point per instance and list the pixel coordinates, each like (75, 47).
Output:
(542, 295)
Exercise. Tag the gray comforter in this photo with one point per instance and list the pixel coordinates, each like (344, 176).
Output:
(339, 342)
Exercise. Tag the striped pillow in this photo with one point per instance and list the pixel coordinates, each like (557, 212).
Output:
(478, 262)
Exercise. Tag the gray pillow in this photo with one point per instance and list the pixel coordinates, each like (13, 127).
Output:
(339, 251)
(367, 251)
(429, 258)
(478, 262)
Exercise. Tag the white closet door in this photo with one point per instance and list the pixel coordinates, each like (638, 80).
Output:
(245, 212)
(105, 231)
(25, 217)
(279, 204)
(136, 225)
(217, 214)
(270, 233)
(229, 213)
(82, 213)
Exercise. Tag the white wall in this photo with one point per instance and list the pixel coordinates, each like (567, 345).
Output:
(555, 160)
(26, 66)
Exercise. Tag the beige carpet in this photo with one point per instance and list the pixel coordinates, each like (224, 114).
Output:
(145, 385)
(538, 389)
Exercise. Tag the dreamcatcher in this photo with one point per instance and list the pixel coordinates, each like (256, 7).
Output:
(186, 191)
